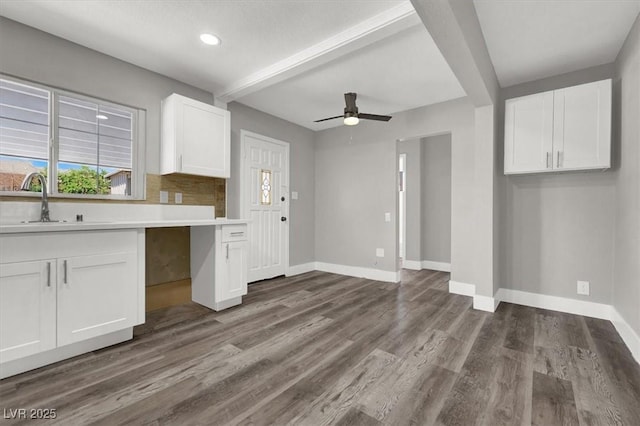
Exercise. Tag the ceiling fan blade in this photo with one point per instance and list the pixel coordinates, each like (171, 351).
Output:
(330, 118)
(350, 101)
(374, 117)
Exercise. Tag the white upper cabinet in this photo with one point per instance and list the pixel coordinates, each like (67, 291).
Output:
(582, 126)
(196, 138)
(528, 133)
(560, 130)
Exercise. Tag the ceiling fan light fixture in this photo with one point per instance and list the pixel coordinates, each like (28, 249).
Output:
(351, 120)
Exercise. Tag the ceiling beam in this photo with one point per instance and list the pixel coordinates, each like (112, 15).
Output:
(454, 26)
(374, 29)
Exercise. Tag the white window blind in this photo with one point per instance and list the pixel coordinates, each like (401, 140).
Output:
(94, 134)
(24, 121)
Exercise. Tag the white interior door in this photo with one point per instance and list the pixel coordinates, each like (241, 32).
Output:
(265, 201)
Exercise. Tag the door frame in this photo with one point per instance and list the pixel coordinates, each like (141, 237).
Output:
(244, 198)
(402, 218)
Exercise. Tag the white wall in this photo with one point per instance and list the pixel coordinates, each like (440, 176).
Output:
(302, 213)
(356, 184)
(41, 57)
(558, 228)
(626, 277)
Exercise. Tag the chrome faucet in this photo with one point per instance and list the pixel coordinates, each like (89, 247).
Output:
(26, 183)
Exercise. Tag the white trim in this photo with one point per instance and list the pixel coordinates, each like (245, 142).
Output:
(302, 268)
(414, 265)
(374, 29)
(356, 271)
(436, 266)
(485, 303)
(464, 289)
(555, 303)
(629, 336)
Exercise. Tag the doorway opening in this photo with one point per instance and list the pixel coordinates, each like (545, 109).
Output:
(424, 202)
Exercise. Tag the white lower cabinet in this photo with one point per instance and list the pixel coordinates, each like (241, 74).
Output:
(90, 288)
(219, 265)
(27, 308)
(233, 270)
(96, 295)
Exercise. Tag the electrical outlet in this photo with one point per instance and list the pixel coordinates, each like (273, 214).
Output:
(178, 197)
(164, 197)
(379, 252)
(583, 287)
(294, 195)
(387, 217)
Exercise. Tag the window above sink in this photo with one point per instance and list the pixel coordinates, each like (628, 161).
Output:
(86, 147)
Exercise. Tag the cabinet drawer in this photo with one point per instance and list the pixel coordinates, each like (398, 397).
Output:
(234, 233)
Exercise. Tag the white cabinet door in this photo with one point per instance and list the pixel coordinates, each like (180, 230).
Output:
(234, 278)
(196, 138)
(582, 126)
(529, 134)
(96, 295)
(27, 308)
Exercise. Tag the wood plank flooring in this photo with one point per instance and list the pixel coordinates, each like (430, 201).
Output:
(319, 349)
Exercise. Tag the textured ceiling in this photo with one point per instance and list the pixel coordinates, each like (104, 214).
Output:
(529, 40)
(401, 72)
(392, 70)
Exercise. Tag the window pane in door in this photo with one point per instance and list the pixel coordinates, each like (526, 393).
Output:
(24, 133)
(265, 187)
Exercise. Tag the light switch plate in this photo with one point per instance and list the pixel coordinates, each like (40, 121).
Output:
(583, 287)
(294, 195)
(178, 197)
(164, 197)
(387, 217)
(379, 252)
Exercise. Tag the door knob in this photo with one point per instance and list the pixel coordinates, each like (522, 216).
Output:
(283, 219)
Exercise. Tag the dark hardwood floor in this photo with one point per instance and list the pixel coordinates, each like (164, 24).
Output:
(321, 349)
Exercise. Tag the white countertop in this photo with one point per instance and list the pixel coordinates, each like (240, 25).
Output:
(104, 216)
(16, 228)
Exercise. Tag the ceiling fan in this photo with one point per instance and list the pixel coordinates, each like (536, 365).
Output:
(351, 115)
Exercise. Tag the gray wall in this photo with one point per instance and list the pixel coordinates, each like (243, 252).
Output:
(34, 55)
(558, 228)
(413, 149)
(626, 278)
(436, 199)
(356, 184)
(300, 139)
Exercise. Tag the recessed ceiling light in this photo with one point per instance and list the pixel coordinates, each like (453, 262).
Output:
(102, 117)
(210, 39)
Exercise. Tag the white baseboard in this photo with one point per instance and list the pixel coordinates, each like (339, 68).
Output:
(414, 265)
(462, 288)
(630, 337)
(356, 271)
(436, 266)
(555, 303)
(485, 303)
(302, 268)
(417, 265)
